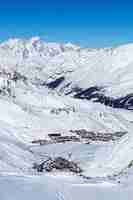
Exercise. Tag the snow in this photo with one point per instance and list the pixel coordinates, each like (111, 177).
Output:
(32, 111)
(52, 189)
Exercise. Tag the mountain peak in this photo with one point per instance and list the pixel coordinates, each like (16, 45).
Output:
(35, 39)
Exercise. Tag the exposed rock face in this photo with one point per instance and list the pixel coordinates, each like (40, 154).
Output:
(17, 76)
(54, 84)
(96, 95)
(58, 163)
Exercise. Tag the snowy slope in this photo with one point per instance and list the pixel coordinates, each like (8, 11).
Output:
(58, 189)
(57, 88)
(31, 69)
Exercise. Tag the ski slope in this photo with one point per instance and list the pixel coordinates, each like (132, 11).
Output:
(56, 88)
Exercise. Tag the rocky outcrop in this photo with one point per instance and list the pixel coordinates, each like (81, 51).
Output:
(96, 94)
(57, 163)
(54, 84)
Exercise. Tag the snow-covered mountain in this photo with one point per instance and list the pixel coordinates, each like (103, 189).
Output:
(103, 75)
(50, 88)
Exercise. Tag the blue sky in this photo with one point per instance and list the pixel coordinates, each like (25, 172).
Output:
(88, 23)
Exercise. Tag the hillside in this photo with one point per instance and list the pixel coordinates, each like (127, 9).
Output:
(84, 95)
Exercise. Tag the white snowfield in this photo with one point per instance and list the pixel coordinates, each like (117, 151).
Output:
(30, 110)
